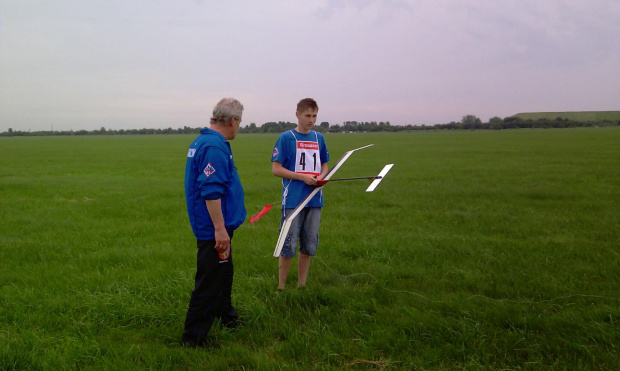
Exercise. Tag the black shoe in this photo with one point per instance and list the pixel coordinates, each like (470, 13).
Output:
(232, 323)
(198, 343)
(189, 343)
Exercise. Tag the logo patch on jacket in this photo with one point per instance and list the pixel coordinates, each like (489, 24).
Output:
(209, 170)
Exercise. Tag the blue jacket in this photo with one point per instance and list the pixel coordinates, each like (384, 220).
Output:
(210, 174)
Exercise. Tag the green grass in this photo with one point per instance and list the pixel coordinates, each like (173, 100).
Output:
(580, 116)
(480, 250)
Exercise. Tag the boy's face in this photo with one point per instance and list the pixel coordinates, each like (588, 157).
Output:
(306, 120)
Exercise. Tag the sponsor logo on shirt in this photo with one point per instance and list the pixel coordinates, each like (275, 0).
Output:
(275, 152)
(308, 145)
(209, 170)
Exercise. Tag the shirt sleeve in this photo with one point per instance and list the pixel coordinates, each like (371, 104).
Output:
(324, 152)
(279, 151)
(215, 175)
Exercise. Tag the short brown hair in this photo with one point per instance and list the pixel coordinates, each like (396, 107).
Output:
(307, 103)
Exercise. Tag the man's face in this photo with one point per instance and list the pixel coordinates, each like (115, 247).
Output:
(306, 120)
(235, 125)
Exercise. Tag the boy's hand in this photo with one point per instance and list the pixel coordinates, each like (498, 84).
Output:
(309, 179)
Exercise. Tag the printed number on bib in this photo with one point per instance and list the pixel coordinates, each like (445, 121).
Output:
(308, 159)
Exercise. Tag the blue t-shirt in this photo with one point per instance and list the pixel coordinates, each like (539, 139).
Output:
(210, 174)
(301, 153)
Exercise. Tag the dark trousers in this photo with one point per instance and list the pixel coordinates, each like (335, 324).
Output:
(212, 289)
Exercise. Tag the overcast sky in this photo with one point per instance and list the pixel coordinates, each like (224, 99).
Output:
(129, 64)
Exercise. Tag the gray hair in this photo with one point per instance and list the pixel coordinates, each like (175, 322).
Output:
(226, 109)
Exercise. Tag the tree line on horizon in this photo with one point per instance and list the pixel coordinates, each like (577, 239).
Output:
(468, 122)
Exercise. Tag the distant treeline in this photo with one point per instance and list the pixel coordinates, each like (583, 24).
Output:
(469, 122)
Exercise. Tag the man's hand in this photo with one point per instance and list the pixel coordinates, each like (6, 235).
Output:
(222, 240)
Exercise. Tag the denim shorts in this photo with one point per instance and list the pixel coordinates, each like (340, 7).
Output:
(305, 228)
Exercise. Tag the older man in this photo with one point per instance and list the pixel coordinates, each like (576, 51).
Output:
(215, 207)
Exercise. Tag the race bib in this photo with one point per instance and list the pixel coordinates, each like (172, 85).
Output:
(308, 159)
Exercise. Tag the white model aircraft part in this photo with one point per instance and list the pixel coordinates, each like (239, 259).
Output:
(288, 220)
(379, 178)
(344, 157)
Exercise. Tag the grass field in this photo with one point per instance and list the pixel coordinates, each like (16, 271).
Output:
(580, 116)
(480, 250)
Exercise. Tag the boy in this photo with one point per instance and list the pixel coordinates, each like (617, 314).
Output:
(300, 158)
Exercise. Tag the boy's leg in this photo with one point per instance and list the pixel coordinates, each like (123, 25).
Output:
(308, 242)
(289, 248)
(284, 264)
(303, 265)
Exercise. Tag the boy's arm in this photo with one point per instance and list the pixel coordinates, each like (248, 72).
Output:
(278, 170)
(324, 170)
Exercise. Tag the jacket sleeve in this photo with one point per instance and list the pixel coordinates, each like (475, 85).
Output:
(215, 176)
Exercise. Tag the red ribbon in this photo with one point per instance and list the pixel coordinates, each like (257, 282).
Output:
(261, 213)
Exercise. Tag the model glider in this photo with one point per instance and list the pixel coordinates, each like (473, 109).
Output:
(331, 172)
(375, 179)
(379, 178)
(286, 224)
